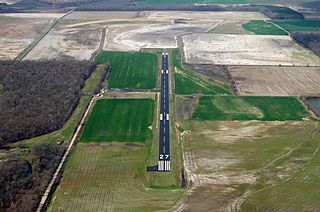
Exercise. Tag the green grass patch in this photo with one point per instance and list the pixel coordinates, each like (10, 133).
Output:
(187, 82)
(193, 2)
(299, 25)
(261, 27)
(122, 120)
(133, 70)
(249, 108)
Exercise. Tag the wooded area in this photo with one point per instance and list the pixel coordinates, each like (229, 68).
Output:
(22, 182)
(310, 40)
(39, 96)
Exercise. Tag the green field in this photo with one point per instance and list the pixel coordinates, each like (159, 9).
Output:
(261, 27)
(193, 2)
(122, 120)
(299, 25)
(187, 82)
(249, 108)
(133, 70)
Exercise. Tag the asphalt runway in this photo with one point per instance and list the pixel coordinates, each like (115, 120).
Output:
(164, 133)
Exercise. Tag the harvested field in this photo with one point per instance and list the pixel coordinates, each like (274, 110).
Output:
(119, 120)
(245, 50)
(63, 41)
(133, 70)
(276, 81)
(132, 37)
(228, 161)
(249, 108)
(19, 30)
(110, 177)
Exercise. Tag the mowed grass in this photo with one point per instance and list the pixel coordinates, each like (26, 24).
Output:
(110, 177)
(261, 27)
(249, 108)
(194, 2)
(187, 82)
(121, 120)
(299, 25)
(132, 70)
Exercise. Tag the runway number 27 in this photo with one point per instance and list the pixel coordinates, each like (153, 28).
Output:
(164, 157)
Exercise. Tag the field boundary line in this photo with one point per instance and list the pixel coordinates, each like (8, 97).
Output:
(46, 194)
(37, 40)
(101, 44)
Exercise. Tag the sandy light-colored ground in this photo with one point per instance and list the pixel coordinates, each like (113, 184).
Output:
(76, 42)
(19, 30)
(245, 50)
(277, 81)
(133, 37)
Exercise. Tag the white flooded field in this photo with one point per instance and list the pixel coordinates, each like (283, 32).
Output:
(225, 49)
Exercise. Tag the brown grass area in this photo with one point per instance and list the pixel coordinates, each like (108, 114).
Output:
(277, 81)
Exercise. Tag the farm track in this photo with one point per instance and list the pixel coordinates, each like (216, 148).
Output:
(35, 42)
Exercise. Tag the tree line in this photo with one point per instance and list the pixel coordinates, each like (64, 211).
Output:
(38, 97)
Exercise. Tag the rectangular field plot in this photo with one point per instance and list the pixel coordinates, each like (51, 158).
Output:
(122, 120)
(109, 177)
(246, 50)
(249, 108)
(276, 81)
(131, 70)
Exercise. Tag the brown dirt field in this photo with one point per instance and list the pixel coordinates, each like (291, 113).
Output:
(62, 41)
(276, 81)
(18, 31)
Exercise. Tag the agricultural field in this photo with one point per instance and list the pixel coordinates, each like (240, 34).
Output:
(299, 25)
(245, 50)
(276, 81)
(314, 104)
(187, 82)
(67, 41)
(262, 27)
(119, 120)
(249, 165)
(111, 177)
(133, 70)
(19, 30)
(249, 108)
